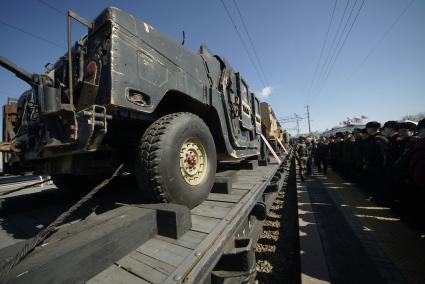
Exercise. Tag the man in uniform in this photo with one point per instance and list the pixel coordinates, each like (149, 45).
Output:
(374, 158)
(360, 151)
(417, 162)
(339, 142)
(389, 130)
(347, 155)
(309, 165)
(332, 155)
(322, 155)
(406, 130)
(411, 166)
(301, 154)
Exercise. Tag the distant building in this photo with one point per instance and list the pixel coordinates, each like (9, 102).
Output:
(345, 128)
(348, 125)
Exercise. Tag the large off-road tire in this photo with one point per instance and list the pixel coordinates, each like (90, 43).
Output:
(177, 160)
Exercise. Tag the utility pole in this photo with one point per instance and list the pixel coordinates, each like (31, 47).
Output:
(308, 118)
(293, 118)
(298, 123)
(298, 127)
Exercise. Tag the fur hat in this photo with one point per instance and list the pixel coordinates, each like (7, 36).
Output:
(391, 124)
(421, 124)
(373, 124)
(407, 125)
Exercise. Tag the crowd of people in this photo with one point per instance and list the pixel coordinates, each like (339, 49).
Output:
(388, 161)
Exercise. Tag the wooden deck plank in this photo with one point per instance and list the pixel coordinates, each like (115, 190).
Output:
(190, 239)
(141, 269)
(240, 192)
(164, 251)
(161, 266)
(5, 238)
(204, 224)
(67, 230)
(257, 172)
(219, 204)
(224, 197)
(116, 275)
(25, 223)
(210, 211)
(244, 185)
(88, 252)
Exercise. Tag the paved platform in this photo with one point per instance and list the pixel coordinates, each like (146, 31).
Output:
(346, 238)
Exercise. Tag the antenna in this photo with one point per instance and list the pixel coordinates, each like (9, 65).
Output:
(184, 37)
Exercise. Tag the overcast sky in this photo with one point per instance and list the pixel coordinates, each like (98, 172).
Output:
(378, 54)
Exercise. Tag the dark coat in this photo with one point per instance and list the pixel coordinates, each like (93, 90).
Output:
(375, 150)
(323, 150)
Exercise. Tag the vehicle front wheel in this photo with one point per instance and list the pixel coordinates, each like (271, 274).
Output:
(177, 160)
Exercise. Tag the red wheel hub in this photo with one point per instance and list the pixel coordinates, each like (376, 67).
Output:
(191, 159)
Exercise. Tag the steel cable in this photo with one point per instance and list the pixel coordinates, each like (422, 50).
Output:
(25, 187)
(32, 243)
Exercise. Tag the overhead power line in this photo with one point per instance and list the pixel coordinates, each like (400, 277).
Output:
(52, 7)
(339, 41)
(384, 35)
(251, 42)
(342, 46)
(243, 42)
(323, 48)
(331, 47)
(338, 44)
(31, 34)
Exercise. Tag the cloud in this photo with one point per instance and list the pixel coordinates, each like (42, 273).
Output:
(265, 92)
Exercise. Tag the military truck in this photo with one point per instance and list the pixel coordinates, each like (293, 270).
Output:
(125, 93)
(272, 129)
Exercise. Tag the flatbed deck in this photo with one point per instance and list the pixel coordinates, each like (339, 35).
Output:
(123, 241)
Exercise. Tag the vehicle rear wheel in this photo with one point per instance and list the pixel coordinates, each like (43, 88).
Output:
(177, 160)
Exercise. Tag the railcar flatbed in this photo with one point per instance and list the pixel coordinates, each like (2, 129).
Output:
(155, 243)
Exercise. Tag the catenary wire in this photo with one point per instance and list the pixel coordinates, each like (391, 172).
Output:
(323, 48)
(52, 7)
(342, 46)
(243, 42)
(338, 39)
(381, 39)
(31, 34)
(260, 65)
(331, 47)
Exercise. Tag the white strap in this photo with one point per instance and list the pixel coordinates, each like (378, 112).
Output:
(283, 147)
(271, 149)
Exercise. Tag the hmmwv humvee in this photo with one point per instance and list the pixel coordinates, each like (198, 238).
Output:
(125, 93)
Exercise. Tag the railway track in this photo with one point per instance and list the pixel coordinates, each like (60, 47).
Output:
(115, 238)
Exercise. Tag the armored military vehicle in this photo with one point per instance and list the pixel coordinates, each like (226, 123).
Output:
(125, 93)
(272, 129)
